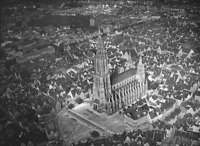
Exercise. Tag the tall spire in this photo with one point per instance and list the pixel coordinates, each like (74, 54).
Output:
(99, 44)
(101, 86)
(129, 57)
(99, 31)
(101, 58)
(129, 61)
(141, 70)
(140, 61)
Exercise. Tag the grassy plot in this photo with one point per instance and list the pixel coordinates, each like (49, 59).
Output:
(73, 130)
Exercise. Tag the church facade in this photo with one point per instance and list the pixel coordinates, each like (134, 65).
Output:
(111, 94)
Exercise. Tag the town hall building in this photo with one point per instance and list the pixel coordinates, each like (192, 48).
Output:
(112, 93)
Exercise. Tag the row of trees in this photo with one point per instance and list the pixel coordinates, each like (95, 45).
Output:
(77, 100)
(176, 112)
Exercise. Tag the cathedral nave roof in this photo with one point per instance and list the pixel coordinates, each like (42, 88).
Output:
(123, 76)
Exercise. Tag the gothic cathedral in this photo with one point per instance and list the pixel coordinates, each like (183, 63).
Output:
(111, 94)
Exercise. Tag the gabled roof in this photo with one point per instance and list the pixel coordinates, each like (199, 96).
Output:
(186, 50)
(132, 52)
(190, 135)
(123, 76)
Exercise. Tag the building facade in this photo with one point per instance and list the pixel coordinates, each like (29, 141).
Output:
(112, 93)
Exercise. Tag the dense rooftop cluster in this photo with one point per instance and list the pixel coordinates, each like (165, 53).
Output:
(137, 110)
(33, 92)
(138, 137)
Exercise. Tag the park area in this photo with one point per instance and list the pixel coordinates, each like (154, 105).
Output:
(72, 130)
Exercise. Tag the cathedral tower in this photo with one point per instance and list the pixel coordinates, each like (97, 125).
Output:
(141, 77)
(141, 69)
(101, 83)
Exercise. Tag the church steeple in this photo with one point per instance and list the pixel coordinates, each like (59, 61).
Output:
(140, 62)
(141, 69)
(129, 58)
(101, 86)
(101, 59)
(129, 63)
(99, 44)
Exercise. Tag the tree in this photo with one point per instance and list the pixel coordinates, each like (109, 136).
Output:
(123, 135)
(167, 118)
(70, 106)
(177, 111)
(95, 134)
(153, 85)
(173, 115)
(88, 96)
(79, 100)
(25, 75)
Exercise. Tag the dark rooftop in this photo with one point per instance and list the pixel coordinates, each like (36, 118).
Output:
(122, 76)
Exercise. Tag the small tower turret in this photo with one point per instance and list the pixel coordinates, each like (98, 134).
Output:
(141, 75)
(130, 61)
(141, 69)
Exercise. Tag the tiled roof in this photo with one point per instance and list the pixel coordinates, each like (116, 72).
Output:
(123, 76)
(190, 135)
(185, 49)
